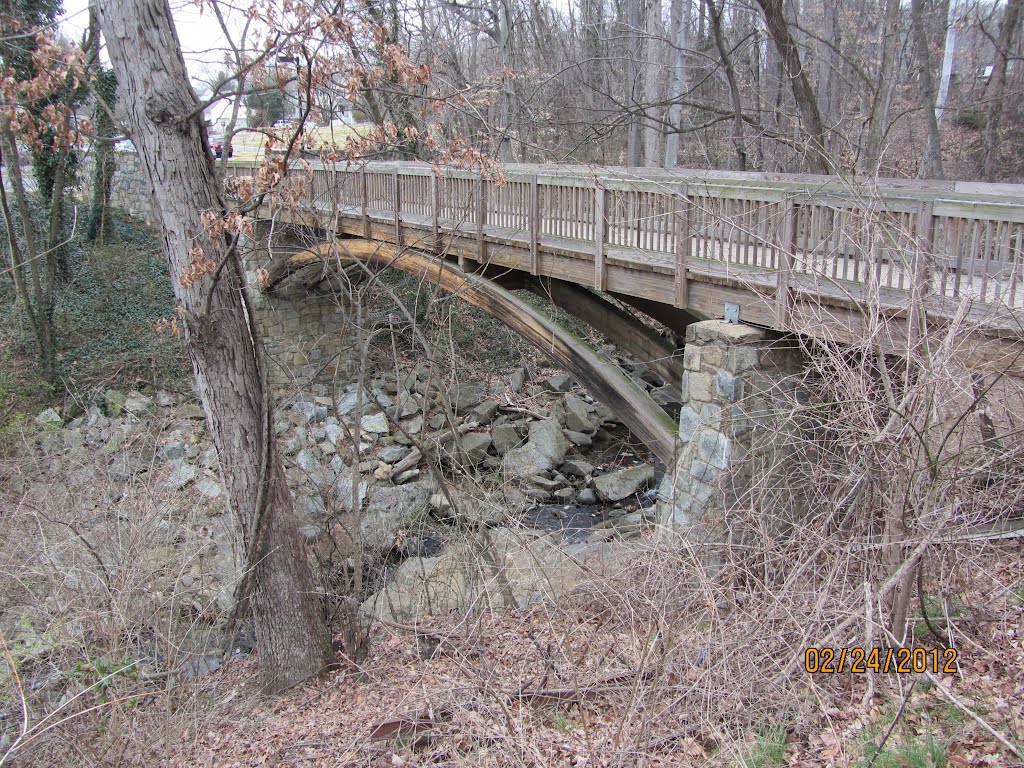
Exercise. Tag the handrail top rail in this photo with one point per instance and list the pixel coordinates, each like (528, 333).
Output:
(711, 181)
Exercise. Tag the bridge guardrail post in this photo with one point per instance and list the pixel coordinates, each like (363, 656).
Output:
(481, 220)
(534, 217)
(600, 237)
(435, 210)
(921, 269)
(395, 178)
(365, 200)
(784, 269)
(682, 224)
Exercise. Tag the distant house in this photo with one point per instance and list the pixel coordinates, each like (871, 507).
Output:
(218, 115)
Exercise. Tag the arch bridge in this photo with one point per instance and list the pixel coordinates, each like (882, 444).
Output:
(822, 256)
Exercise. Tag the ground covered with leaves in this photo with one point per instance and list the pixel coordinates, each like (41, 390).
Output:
(583, 684)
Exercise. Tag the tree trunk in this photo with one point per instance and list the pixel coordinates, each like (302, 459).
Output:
(40, 306)
(739, 141)
(635, 31)
(223, 341)
(682, 17)
(806, 103)
(997, 87)
(882, 98)
(931, 161)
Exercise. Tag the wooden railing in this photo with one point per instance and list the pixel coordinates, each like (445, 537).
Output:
(948, 240)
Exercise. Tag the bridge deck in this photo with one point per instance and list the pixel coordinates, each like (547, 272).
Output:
(776, 245)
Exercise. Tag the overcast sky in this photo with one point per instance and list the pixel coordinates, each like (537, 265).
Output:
(201, 39)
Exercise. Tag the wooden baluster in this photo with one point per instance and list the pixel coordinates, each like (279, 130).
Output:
(784, 275)
(600, 238)
(533, 219)
(683, 224)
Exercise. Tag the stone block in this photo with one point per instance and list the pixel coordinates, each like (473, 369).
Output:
(691, 358)
(725, 334)
(728, 387)
(697, 387)
(689, 421)
(702, 472)
(742, 359)
(713, 447)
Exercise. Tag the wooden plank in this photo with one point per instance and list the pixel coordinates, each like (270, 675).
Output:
(623, 329)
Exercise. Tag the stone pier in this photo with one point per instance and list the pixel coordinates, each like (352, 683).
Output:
(728, 371)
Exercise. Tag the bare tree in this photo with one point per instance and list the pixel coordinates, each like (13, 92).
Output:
(165, 123)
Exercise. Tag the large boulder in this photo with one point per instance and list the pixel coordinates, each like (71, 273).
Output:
(464, 397)
(389, 509)
(616, 486)
(544, 450)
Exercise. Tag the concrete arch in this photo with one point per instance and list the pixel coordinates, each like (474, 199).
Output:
(630, 402)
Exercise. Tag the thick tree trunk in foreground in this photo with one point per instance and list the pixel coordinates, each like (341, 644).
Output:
(223, 343)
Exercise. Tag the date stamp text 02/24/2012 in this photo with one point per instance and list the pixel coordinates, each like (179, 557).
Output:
(902, 661)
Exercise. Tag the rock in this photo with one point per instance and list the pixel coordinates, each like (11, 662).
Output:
(295, 441)
(618, 485)
(165, 399)
(127, 465)
(193, 411)
(376, 423)
(578, 438)
(171, 451)
(310, 507)
(560, 382)
(577, 414)
(484, 413)
(114, 401)
(383, 472)
(474, 447)
(545, 449)
(406, 407)
(304, 409)
(565, 495)
(344, 491)
(434, 585)
(73, 439)
(389, 509)
(281, 424)
(208, 488)
(209, 459)
(137, 404)
(437, 421)
(180, 476)
(463, 397)
(577, 468)
(307, 461)
(518, 379)
(346, 403)
(405, 477)
(49, 418)
(394, 454)
(192, 451)
(311, 532)
(504, 437)
(438, 502)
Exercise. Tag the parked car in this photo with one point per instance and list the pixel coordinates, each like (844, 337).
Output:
(217, 147)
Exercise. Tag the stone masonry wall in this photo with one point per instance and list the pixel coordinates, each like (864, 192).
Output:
(728, 370)
(304, 328)
(128, 189)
